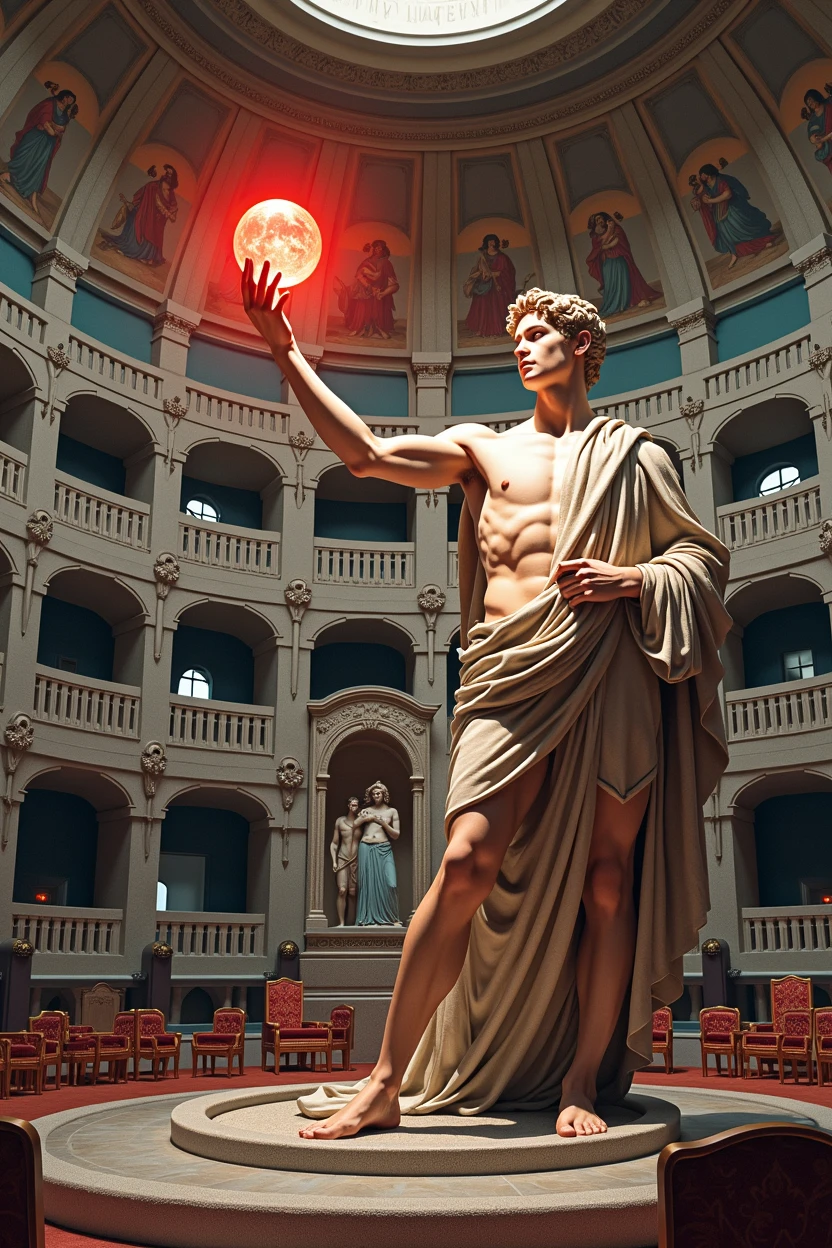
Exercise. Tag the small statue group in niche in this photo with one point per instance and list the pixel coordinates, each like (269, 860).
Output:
(362, 859)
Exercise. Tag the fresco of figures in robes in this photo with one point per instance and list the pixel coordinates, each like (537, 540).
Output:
(48, 131)
(144, 220)
(369, 292)
(726, 201)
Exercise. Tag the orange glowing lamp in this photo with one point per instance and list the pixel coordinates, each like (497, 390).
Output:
(42, 897)
(284, 234)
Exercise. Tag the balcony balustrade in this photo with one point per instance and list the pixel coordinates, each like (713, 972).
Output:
(750, 522)
(12, 472)
(211, 406)
(85, 703)
(779, 710)
(786, 929)
(211, 725)
(229, 546)
(68, 929)
(21, 317)
(757, 370)
(102, 363)
(640, 407)
(453, 564)
(357, 563)
(196, 934)
(98, 511)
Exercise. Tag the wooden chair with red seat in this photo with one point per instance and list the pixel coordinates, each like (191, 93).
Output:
(52, 1026)
(284, 1029)
(766, 1184)
(116, 1047)
(5, 1069)
(227, 1039)
(796, 1042)
(342, 1020)
(764, 1046)
(26, 1052)
(719, 1026)
(156, 1045)
(21, 1189)
(79, 1053)
(663, 1037)
(822, 1033)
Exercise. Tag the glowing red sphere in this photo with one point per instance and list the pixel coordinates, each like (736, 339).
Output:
(284, 234)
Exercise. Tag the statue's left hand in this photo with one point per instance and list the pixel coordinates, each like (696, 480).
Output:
(258, 298)
(593, 580)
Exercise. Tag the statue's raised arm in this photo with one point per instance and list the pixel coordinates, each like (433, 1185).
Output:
(417, 460)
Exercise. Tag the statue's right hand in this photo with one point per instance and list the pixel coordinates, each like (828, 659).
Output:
(265, 315)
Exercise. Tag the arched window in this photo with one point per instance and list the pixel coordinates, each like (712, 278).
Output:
(779, 479)
(195, 683)
(202, 508)
(161, 895)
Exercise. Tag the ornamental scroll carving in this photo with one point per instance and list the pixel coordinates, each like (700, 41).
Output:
(693, 410)
(818, 260)
(290, 777)
(174, 410)
(153, 764)
(166, 571)
(370, 715)
(821, 362)
(825, 538)
(40, 528)
(431, 600)
(18, 737)
(298, 596)
(300, 443)
(57, 361)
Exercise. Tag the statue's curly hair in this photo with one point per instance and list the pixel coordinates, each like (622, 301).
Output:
(368, 792)
(569, 314)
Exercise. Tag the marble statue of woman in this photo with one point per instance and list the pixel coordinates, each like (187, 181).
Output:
(378, 898)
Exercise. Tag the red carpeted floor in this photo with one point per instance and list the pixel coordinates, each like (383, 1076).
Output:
(30, 1107)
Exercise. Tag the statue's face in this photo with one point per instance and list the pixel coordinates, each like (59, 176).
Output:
(377, 795)
(544, 356)
(353, 806)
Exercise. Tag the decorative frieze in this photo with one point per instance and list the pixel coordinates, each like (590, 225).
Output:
(169, 322)
(693, 325)
(819, 260)
(54, 260)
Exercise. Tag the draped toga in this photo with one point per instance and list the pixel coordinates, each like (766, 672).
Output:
(621, 694)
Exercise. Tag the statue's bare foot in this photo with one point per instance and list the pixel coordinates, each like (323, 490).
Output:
(374, 1106)
(577, 1117)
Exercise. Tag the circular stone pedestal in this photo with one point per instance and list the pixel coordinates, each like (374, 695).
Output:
(259, 1127)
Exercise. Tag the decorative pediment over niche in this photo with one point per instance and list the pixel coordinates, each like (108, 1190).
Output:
(375, 709)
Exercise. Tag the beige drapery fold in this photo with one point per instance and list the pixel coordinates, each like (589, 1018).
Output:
(577, 686)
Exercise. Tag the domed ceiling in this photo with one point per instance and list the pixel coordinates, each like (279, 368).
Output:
(647, 153)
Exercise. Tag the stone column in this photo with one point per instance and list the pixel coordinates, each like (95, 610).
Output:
(172, 329)
(421, 841)
(57, 269)
(762, 1002)
(694, 323)
(814, 261)
(432, 372)
(177, 992)
(554, 258)
(433, 336)
(316, 920)
(695, 991)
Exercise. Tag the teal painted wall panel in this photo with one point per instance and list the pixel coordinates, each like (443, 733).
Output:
(775, 633)
(794, 841)
(58, 837)
(89, 464)
(112, 323)
(252, 373)
(748, 470)
(360, 522)
(228, 660)
(645, 363)
(369, 393)
(345, 664)
(72, 632)
(487, 391)
(17, 265)
(243, 507)
(760, 321)
(221, 837)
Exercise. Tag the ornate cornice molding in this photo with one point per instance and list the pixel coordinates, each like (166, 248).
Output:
(55, 259)
(818, 260)
(347, 124)
(694, 324)
(175, 324)
(430, 372)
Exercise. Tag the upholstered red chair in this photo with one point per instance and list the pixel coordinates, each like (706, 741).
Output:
(663, 1037)
(284, 1029)
(766, 1184)
(796, 1042)
(79, 1053)
(155, 1045)
(21, 1185)
(719, 1027)
(342, 1020)
(25, 1060)
(822, 1032)
(227, 1039)
(116, 1047)
(764, 1046)
(52, 1026)
(5, 1069)
(792, 992)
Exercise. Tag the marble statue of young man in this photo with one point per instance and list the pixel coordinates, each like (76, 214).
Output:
(344, 851)
(587, 721)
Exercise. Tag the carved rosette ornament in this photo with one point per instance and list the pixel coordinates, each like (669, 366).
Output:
(23, 949)
(174, 410)
(166, 571)
(431, 600)
(160, 950)
(821, 362)
(40, 528)
(18, 736)
(300, 443)
(57, 361)
(692, 410)
(711, 948)
(290, 777)
(298, 596)
(153, 764)
(825, 538)
(288, 949)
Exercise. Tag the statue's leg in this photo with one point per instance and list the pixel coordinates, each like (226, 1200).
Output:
(341, 878)
(605, 953)
(435, 947)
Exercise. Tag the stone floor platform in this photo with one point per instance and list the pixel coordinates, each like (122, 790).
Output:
(112, 1170)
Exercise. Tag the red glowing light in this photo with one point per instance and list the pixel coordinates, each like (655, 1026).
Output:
(284, 234)
(827, 899)
(41, 897)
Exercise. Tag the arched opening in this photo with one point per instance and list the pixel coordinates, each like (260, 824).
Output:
(17, 401)
(226, 648)
(362, 509)
(92, 625)
(356, 764)
(106, 446)
(227, 484)
(73, 846)
(794, 850)
(769, 444)
(781, 634)
(361, 652)
(197, 1007)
